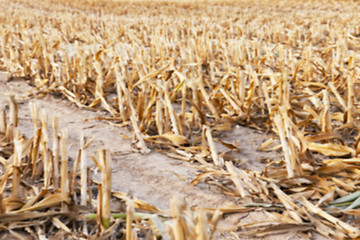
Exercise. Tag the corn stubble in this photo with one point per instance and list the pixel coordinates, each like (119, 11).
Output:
(41, 199)
(34, 188)
(178, 80)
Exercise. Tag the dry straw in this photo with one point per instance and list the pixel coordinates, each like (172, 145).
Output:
(179, 80)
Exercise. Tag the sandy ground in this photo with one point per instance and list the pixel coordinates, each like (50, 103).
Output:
(152, 177)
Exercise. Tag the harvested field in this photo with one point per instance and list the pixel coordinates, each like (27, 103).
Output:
(179, 119)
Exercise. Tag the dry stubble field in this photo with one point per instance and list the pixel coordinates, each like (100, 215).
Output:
(196, 119)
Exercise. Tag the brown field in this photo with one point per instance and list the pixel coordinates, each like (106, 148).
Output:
(179, 119)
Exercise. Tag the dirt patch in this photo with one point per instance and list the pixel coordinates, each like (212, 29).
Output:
(153, 177)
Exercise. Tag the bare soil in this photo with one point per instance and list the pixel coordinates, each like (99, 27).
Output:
(153, 177)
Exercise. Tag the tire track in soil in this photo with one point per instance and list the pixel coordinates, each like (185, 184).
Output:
(148, 177)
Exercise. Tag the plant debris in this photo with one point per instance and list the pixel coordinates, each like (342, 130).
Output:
(180, 74)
